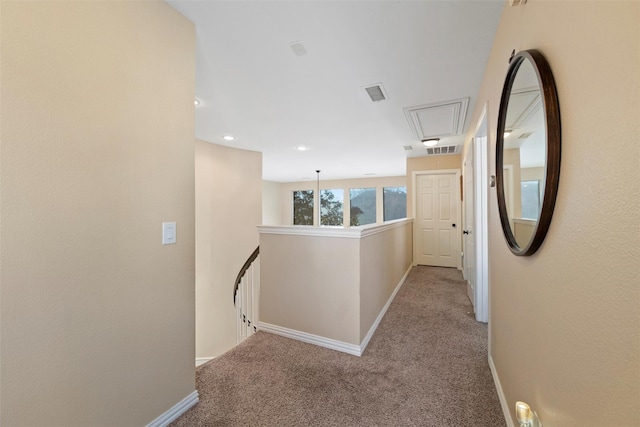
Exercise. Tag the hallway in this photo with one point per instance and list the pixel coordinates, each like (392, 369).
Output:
(426, 365)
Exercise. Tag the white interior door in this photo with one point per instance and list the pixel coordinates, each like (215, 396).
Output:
(468, 235)
(436, 214)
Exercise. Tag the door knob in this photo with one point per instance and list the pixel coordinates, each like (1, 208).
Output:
(465, 231)
(453, 225)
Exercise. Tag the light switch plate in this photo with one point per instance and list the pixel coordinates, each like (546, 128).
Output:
(168, 233)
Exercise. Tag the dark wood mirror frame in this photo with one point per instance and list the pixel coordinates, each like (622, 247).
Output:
(553, 145)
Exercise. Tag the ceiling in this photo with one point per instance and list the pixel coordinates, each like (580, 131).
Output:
(253, 86)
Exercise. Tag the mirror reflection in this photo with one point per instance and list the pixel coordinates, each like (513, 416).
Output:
(524, 154)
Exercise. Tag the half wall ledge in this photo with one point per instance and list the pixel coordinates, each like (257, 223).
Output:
(332, 283)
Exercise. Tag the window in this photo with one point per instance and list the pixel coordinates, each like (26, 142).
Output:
(303, 207)
(363, 206)
(331, 207)
(394, 200)
(530, 194)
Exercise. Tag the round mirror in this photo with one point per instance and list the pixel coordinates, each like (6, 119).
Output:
(527, 152)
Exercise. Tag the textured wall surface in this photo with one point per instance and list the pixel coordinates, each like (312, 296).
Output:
(384, 260)
(565, 322)
(97, 316)
(271, 204)
(311, 284)
(334, 287)
(228, 209)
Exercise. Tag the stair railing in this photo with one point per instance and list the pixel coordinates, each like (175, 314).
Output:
(246, 290)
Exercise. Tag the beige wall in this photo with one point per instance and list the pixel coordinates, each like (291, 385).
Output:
(285, 191)
(271, 203)
(311, 284)
(331, 282)
(97, 151)
(384, 260)
(565, 322)
(428, 163)
(228, 209)
(532, 174)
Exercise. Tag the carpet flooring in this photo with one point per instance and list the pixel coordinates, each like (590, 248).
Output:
(426, 365)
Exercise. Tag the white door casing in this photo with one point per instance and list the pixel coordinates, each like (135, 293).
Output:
(507, 179)
(481, 218)
(468, 236)
(437, 218)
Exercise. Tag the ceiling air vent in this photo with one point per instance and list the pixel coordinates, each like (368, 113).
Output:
(408, 148)
(298, 48)
(438, 151)
(525, 135)
(376, 92)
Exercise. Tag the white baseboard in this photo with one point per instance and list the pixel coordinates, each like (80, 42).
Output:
(175, 411)
(310, 338)
(373, 327)
(203, 360)
(344, 347)
(501, 396)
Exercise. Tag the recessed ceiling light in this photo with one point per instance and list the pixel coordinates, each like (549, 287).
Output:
(302, 148)
(197, 101)
(228, 138)
(431, 142)
(506, 134)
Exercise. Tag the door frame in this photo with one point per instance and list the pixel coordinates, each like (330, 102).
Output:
(480, 145)
(468, 221)
(414, 179)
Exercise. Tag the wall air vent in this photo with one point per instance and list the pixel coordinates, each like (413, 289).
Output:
(439, 151)
(376, 92)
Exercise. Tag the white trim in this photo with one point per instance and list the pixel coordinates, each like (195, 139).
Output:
(311, 339)
(175, 411)
(458, 249)
(203, 360)
(326, 231)
(509, 195)
(481, 211)
(501, 396)
(367, 338)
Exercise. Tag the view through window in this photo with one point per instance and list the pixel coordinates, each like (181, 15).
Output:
(394, 200)
(332, 207)
(303, 207)
(363, 206)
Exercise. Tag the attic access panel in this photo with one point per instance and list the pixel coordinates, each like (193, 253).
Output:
(440, 119)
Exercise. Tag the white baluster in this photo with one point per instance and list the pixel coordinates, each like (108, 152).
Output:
(250, 300)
